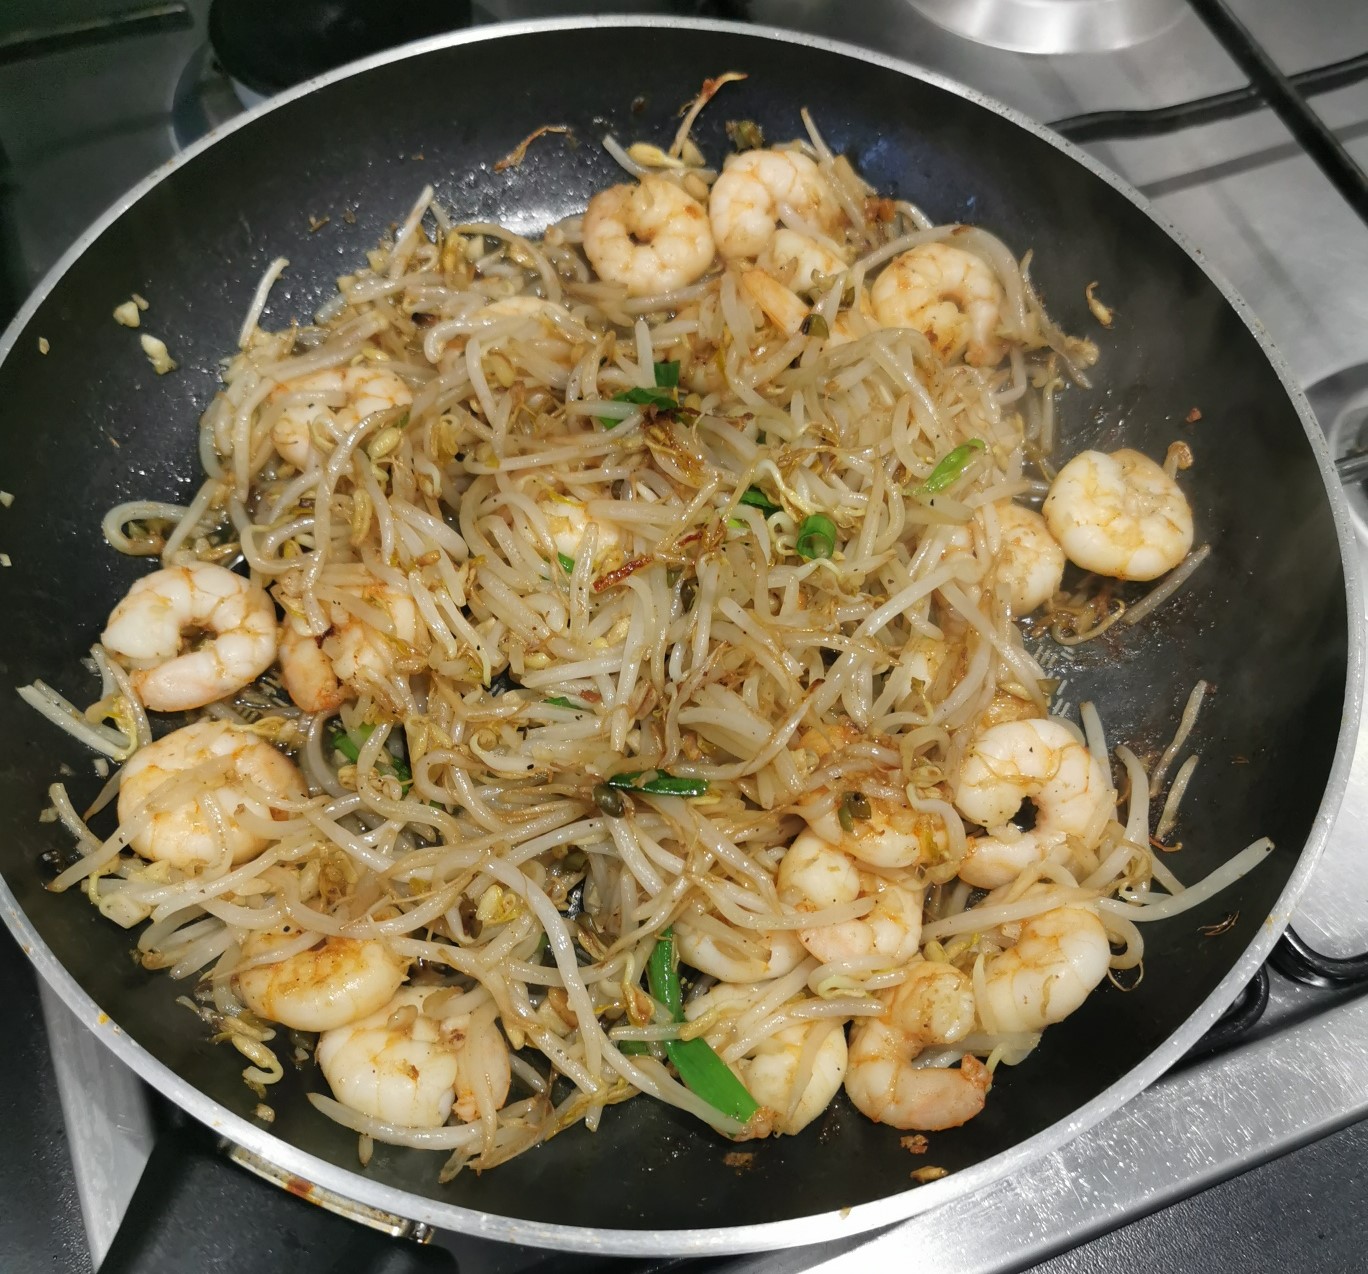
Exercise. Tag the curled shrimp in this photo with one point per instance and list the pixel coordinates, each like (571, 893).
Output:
(406, 1066)
(949, 295)
(1119, 514)
(811, 1052)
(326, 406)
(201, 824)
(320, 673)
(149, 628)
(781, 305)
(651, 237)
(814, 875)
(887, 834)
(1056, 961)
(1030, 563)
(335, 982)
(757, 189)
(1036, 760)
(935, 1005)
(568, 521)
(797, 261)
(745, 956)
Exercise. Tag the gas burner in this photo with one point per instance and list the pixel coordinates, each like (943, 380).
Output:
(204, 98)
(1341, 405)
(1054, 26)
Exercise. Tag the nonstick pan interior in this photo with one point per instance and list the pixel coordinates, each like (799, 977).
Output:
(90, 424)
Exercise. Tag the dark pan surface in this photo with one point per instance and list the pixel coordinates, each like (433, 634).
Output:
(1265, 620)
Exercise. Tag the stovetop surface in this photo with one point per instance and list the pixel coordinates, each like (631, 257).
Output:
(77, 128)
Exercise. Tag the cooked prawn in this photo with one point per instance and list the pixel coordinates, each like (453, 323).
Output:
(814, 875)
(949, 295)
(781, 305)
(149, 628)
(1029, 563)
(194, 828)
(405, 1066)
(1119, 514)
(770, 1071)
(753, 956)
(1059, 957)
(1038, 760)
(893, 835)
(568, 520)
(353, 657)
(796, 260)
(757, 189)
(935, 1005)
(651, 237)
(335, 982)
(326, 406)
(856, 320)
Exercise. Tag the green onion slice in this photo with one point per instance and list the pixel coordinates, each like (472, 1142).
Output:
(757, 499)
(659, 784)
(951, 468)
(350, 745)
(816, 537)
(664, 397)
(567, 563)
(702, 1071)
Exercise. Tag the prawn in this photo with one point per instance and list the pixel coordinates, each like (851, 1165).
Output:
(1030, 562)
(949, 295)
(320, 673)
(1037, 760)
(1119, 514)
(330, 984)
(567, 523)
(1056, 961)
(149, 627)
(883, 833)
(796, 260)
(814, 874)
(771, 1070)
(757, 189)
(781, 305)
(753, 956)
(326, 406)
(403, 1065)
(195, 828)
(651, 237)
(935, 1005)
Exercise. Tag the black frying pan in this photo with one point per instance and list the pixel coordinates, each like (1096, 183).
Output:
(89, 424)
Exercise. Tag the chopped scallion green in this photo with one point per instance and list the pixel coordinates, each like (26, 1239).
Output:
(757, 499)
(702, 1071)
(951, 468)
(350, 745)
(659, 784)
(664, 397)
(816, 537)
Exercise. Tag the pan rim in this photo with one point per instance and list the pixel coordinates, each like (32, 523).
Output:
(824, 1226)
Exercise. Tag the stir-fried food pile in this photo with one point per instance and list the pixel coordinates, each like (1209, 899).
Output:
(607, 678)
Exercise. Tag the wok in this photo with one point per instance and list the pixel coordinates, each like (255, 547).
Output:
(1266, 620)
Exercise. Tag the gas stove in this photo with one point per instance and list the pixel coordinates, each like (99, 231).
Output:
(94, 95)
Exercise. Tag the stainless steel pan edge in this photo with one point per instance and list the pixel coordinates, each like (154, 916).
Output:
(829, 1225)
